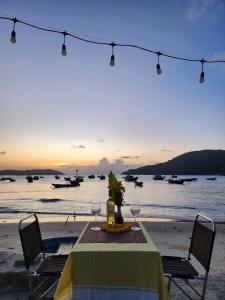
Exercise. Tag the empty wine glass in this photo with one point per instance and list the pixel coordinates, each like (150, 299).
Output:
(135, 210)
(96, 209)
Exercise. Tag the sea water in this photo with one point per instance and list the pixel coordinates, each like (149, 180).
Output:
(157, 199)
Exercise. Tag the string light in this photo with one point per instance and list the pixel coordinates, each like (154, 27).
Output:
(112, 45)
(202, 75)
(13, 33)
(112, 60)
(158, 68)
(64, 52)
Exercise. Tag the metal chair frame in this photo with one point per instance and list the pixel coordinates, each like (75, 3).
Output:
(31, 252)
(196, 254)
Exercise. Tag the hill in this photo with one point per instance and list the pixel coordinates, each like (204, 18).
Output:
(204, 162)
(31, 172)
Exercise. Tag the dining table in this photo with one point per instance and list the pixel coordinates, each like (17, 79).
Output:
(113, 266)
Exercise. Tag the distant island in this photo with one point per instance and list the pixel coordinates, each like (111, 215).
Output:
(31, 172)
(204, 162)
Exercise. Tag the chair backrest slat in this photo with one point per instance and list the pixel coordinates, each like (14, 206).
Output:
(31, 241)
(202, 243)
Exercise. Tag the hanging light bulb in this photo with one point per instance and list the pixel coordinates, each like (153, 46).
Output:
(202, 75)
(112, 60)
(158, 68)
(13, 33)
(64, 52)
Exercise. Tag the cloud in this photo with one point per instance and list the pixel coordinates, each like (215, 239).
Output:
(103, 166)
(78, 146)
(129, 157)
(166, 150)
(210, 10)
(101, 141)
(3, 153)
(219, 56)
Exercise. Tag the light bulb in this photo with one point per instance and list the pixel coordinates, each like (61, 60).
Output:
(202, 77)
(13, 37)
(158, 69)
(112, 61)
(64, 52)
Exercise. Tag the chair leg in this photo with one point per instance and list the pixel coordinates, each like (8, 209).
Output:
(30, 283)
(204, 286)
(67, 219)
(180, 288)
(169, 284)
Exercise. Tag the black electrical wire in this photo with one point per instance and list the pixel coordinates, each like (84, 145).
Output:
(202, 61)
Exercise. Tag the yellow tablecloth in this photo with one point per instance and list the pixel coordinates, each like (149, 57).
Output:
(113, 271)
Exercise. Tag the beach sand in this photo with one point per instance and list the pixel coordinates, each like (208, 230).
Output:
(171, 238)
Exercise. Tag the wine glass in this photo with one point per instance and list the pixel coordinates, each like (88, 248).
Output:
(96, 209)
(135, 210)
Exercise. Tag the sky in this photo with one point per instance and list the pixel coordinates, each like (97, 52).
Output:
(79, 112)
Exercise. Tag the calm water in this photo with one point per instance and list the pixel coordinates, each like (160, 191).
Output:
(156, 198)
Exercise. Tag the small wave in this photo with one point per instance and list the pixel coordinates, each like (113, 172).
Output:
(164, 206)
(47, 200)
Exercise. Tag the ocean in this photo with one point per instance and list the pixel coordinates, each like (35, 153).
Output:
(157, 199)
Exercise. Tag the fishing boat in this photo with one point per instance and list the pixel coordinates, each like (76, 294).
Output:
(92, 176)
(72, 183)
(190, 179)
(67, 178)
(12, 179)
(29, 179)
(158, 177)
(101, 177)
(176, 181)
(211, 178)
(79, 178)
(138, 183)
(130, 178)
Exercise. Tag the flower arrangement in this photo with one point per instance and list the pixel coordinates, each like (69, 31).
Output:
(116, 192)
(116, 228)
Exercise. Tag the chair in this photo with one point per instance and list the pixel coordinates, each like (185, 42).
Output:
(201, 246)
(49, 268)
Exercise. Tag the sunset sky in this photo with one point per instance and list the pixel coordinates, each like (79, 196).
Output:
(60, 111)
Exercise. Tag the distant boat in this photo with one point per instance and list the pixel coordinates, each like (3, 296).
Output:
(57, 177)
(101, 177)
(130, 178)
(3, 179)
(73, 183)
(67, 178)
(79, 178)
(12, 179)
(8, 178)
(158, 177)
(176, 181)
(29, 178)
(190, 179)
(211, 178)
(92, 176)
(173, 176)
(138, 183)
(35, 177)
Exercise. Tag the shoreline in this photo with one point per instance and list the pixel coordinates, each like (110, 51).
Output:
(55, 218)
